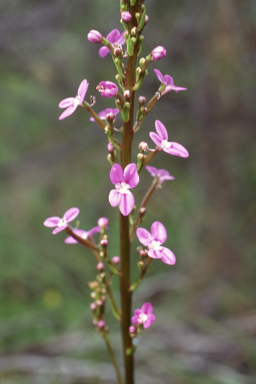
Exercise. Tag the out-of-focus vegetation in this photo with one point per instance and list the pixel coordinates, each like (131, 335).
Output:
(205, 305)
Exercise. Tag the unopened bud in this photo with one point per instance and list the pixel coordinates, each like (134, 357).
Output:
(100, 267)
(127, 94)
(99, 303)
(93, 306)
(142, 211)
(101, 324)
(94, 36)
(142, 100)
(115, 260)
(110, 148)
(103, 221)
(158, 53)
(126, 16)
(143, 146)
(104, 243)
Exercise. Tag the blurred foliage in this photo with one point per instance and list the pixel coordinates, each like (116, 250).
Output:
(205, 304)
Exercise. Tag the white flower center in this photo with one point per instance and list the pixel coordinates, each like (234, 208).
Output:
(76, 101)
(155, 246)
(123, 188)
(165, 144)
(142, 318)
(62, 222)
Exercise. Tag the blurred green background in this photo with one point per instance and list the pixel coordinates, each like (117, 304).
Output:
(205, 305)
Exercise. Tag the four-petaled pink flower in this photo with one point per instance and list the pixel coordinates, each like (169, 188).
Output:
(161, 140)
(168, 82)
(61, 223)
(71, 103)
(103, 114)
(107, 88)
(115, 38)
(81, 233)
(154, 241)
(161, 174)
(124, 181)
(144, 315)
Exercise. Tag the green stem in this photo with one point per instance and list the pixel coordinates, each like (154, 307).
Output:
(143, 204)
(112, 357)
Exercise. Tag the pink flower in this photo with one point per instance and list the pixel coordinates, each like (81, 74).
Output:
(94, 36)
(124, 181)
(161, 140)
(115, 38)
(107, 88)
(81, 233)
(160, 174)
(158, 53)
(103, 114)
(71, 103)
(59, 223)
(144, 315)
(103, 223)
(154, 241)
(168, 82)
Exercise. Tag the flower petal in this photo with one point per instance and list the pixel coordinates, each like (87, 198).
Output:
(168, 80)
(113, 36)
(150, 320)
(158, 232)
(116, 174)
(131, 176)
(104, 51)
(70, 240)
(92, 231)
(82, 90)
(68, 112)
(177, 149)
(161, 130)
(168, 256)
(121, 39)
(155, 254)
(114, 198)
(147, 308)
(144, 236)
(59, 229)
(71, 214)
(155, 138)
(126, 203)
(52, 221)
(152, 170)
(159, 76)
(67, 102)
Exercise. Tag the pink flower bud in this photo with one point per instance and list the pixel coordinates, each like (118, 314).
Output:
(101, 324)
(103, 221)
(146, 19)
(115, 260)
(95, 322)
(126, 16)
(93, 306)
(142, 100)
(158, 53)
(100, 267)
(132, 329)
(99, 303)
(127, 94)
(110, 147)
(94, 36)
(107, 88)
(143, 146)
(104, 242)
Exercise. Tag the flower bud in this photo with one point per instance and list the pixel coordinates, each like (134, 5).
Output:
(146, 19)
(143, 146)
(99, 303)
(100, 267)
(93, 306)
(126, 16)
(132, 329)
(94, 36)
(104, 243)
(127, 94)
(115, 260)
(142, 100)
(158, 53)
(103, 221)
(110, 148)
(101, 324)
(95, 322)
